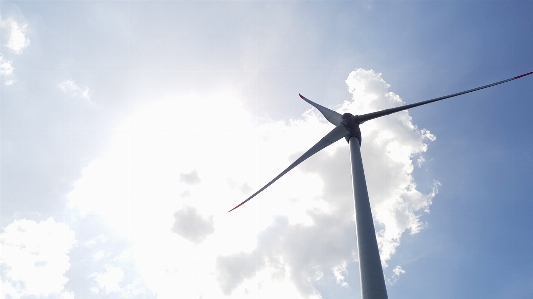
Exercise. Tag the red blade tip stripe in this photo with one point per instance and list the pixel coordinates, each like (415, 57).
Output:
(526, 74)
(238, 206)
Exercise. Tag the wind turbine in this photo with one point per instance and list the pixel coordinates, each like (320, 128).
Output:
(347, 126)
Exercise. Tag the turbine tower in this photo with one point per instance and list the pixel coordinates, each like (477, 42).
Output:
(347, 126)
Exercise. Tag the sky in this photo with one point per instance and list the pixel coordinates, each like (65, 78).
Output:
(129, 129)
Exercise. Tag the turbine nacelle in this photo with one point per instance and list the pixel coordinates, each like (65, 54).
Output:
(351, 123)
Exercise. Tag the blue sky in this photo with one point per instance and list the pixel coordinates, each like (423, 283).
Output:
(129, 128)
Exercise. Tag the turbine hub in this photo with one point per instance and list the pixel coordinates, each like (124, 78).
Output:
(351, 123)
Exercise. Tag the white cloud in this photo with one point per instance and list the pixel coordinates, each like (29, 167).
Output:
(72, 89)
(6, 70)
(192, 226)
(340, 272)
(298, 232)
(16, 35)
(66, 295)
(99, 255)
(35, 258)
(396, 272)
(299, 254)
(190, 178)
(15, 39)
(109, 281)
(390, 144)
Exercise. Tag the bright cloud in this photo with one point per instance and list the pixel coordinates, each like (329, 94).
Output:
(35, 258)
(109, 280)
(72, 89)
(300, 231)
(6, 70)
(16, 35)
(396, 272)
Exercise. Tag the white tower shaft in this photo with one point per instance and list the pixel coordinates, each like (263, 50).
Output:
(372, 279)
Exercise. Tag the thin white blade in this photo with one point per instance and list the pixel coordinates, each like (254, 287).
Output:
(333, 136)
(333, 117)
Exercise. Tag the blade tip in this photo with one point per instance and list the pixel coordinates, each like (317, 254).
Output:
(238, 206)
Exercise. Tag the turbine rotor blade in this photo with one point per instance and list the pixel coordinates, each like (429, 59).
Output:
(334, 135)
(365, 117)
(333, 117)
